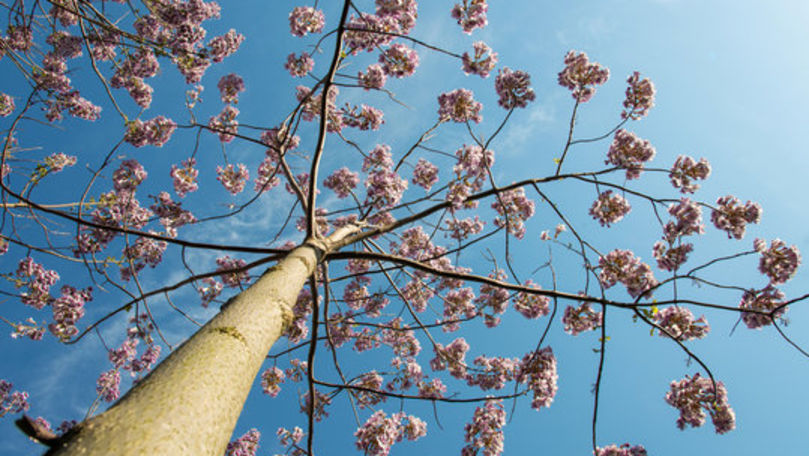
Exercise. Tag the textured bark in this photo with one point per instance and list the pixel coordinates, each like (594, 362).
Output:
(190, 403)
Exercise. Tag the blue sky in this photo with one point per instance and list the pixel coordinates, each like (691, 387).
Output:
(731, 87)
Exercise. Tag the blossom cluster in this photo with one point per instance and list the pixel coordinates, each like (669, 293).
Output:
(623, 450)
(305, 19)
(459, 106)
(233, 178)
(609, 208)
(461, 229)
(12, 402)
(155, 132)
(225, 123)
(532, 305)
(482, 61)
(672, 253)
(230, 86)
(622, 266)
(399, 60)
(246, 445)
(769, 300)
(582, 318)
(538, 371)
(470, 14)
(471, 171)
(733, 217)
(513, 208)
(696, 395)
(581, 76)
(629, 152)
(67, 310)
(686, 171)
(342, 182)
(680, 324)
(778, 262)
(227, 266)
(37, 280)
(376, 436)
(513, 88)
(639, 97)
(485, 431)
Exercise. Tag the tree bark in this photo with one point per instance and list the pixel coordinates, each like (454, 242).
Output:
(190, 403)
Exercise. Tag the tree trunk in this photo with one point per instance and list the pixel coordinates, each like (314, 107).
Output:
(190, 403)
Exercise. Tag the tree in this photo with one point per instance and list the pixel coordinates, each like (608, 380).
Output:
(414, 249)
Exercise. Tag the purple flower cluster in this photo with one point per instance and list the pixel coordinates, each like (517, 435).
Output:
(451, 358)
(538, 371)
(609, 208)
(399, 61)
(629, 152)
(185, 178)
(299, 66)
(482, 62)
(246, 445)
(231, 278)
(778, 262)
(688, 220)
(732, 217)
(67, 310)
(271, 378)
(108, 385)
(229, 88)
(155, 132)
(694, 396)
(378, 434)
(425, 174)
(172, 215)
(373, 78)
(470, 14)
(461, 229)
(679, 322)
(225, 123)
(686, 170)
(513, 88)
(582, 318)
(640, 96)
(459, 106)
(581, 76)
(532, 305)
(765, 300)
(305, 19)
(233, 178)
(12, 402)
(6, 105)
(485, 431)
(342, 182)
(37, 280)
(513, 208)
(622, 266)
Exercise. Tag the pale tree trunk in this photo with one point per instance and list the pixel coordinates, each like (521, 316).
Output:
(190, 403)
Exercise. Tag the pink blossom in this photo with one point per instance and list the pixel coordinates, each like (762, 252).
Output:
(538, 371)
(470, 14)
(246, 445)
(669, 257)
(732, 217)
(233, 178)
(451, 358)
(12, 402)
(694, 396)
(779, 262)
(514, 208)
(30, 330)
(459, 106)
(6, 105)
(299, 66)
(360, 32)
(311, 107)
(305, 19)
(581, 76)
(485, 431)
(492, 373)
(688, 216)
(20, 37)
(371, 381)
(623, 450)
(185, 178)
(492, 300)
(405, 12)
(582, 318)
(58, 161)
(287, 438)
(463, 228)
(373, 78)
(279, 141)
(609, 208)
(679, 322)
(67, 310)
(128, 176)
(225, 123)
(531, 305)
(434, 389)
(224, 45)
(629, 152)
(342, 182)
(210, 290)
(766, 300)
(108, 384)
(37, 280)
(229, 87)
(513, 88)
(376, 436)
(271, 378)
(233, 279)
(425, 174)
(399, 60)
(369, 118)
(686, 170)
(321, 401)
(384, 188)
(417, 294)
(622, 266)
(457, 305)
(640, 97)
(379, 158)
(483, 61)
(156, 132)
